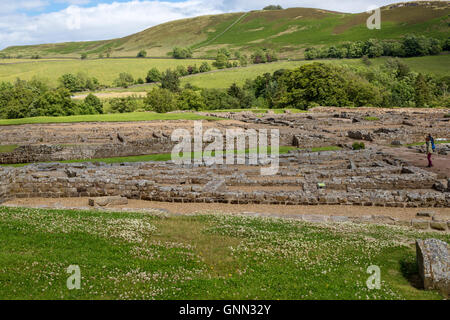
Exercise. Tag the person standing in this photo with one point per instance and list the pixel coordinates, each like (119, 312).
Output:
(429, 150)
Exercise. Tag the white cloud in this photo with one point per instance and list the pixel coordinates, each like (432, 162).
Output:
(117, 19)
(13, 6)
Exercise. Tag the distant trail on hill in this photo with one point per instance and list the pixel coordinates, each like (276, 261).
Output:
(226, 30)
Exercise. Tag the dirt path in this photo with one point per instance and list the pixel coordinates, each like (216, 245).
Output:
(441, 163)
(186, 208)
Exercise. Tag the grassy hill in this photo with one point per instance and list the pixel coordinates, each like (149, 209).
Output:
(288, 31)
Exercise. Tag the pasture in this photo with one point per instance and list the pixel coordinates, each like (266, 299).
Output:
(105, 70)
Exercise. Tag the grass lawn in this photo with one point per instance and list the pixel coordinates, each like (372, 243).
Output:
(8, 148)
(145, 256)
(260, 111)
(116, 117)
(163, 156)
(423, 143)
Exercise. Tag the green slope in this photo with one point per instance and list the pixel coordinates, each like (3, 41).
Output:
(288, 31)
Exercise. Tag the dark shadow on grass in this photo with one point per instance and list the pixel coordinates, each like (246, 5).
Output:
(410, 271)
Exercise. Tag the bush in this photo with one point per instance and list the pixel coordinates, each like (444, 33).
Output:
(125, 105)
(366, 61)
(358, 146)
(124, 80)
(189, 99)
(181, 53)
(273, 7)
(79, 82)
(205, 67)
(153, 76)
(160, 100)
(216, 99)
(84, 56)
(259, 56)
(193, 69)
(182, 71)
(263, 56)
(142, 54)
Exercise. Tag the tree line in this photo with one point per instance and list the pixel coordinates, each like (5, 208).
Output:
(409, 46)
(317, 84)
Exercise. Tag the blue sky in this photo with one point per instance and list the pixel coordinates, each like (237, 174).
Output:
(46, 21)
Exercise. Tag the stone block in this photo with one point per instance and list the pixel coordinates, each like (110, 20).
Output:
(420, 224)
(108, 201)
(433, 262)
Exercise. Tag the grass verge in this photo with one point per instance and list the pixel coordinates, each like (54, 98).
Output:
(116, 117)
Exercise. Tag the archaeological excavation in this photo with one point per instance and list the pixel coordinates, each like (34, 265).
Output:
(321, 167)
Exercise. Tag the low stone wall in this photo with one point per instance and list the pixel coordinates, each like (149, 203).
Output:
(156, 181)
(47, 153)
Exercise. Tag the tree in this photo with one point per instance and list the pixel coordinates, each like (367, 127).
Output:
(84, 56)
(446, 45)
(153, 75)
(422, 91)
(124, 105)
(221, 61)
(93, 104)
(373, 48)
(182, 71)
(259, 56)
(182, 53)
(142, 54)
(160, 100)
(311, 53)
(124, 80)
(70, 82)
(205, 67)
(170, 80)
(190, 100)
(273, 7)
(243, 60)
(326, 85)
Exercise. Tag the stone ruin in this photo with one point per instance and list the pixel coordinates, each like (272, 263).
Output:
(364, 178)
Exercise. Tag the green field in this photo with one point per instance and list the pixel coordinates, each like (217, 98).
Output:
(116, 117)
(435, 65)
(105, 70)
(153, 256)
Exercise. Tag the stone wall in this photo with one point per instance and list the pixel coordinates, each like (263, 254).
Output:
(47, 153)
(390, 184)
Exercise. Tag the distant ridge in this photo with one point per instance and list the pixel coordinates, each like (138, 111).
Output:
(288, 31)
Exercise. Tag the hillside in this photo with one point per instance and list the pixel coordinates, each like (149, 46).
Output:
(288, 31)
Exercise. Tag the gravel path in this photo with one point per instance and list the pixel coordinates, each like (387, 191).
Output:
(186, 208)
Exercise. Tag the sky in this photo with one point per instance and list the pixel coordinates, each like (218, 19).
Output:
(24, 22)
